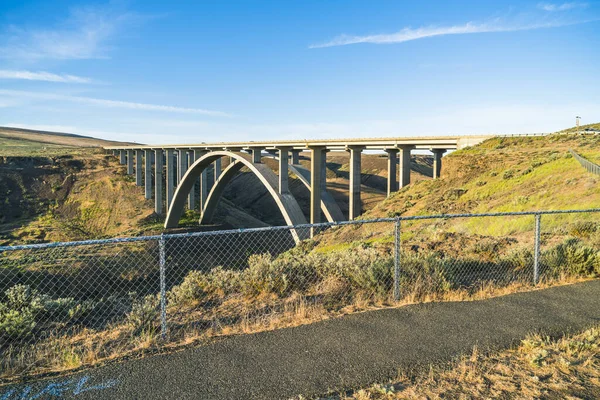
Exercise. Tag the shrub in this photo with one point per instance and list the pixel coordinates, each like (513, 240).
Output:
(143, 317)
(15, 324)
(264, 276)
(190, 290)
(572, 257)
(199, 286)
(77, 311)
(527, 171)
(425, 274)
(361, 267)
(509, 173)
(18, 314)
(582, 229)
(487, 249)
(519, 259)
(23, 297)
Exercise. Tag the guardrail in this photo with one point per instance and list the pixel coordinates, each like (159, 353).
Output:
(63, 305)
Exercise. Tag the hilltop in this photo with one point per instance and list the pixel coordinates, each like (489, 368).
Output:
(26, 142)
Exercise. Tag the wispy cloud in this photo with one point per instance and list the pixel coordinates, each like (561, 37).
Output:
(42, 76)
(408, 34)
(561, 7)
(84, 34)
(111, 103)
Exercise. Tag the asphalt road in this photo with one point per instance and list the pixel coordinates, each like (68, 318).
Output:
(352, 351)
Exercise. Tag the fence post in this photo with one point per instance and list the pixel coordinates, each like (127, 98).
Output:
(536, 256)
(163, 287)
(397, 259)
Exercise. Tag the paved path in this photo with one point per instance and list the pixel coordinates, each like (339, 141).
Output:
(352, 351)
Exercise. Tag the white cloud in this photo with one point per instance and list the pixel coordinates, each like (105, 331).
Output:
(82, 35)
(42, 76)
(408, 34)
(111, 103)
(561, 7)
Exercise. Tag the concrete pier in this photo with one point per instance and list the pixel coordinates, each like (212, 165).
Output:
(405, 165)
(316, 177)
(217, 169)
(283, 170)
(392, 176)
(158, 181)
(256, 154)
(170, 176)
(295, 159)
(437, 162)
(202, 181)
(182, 165)
(129, 162)
(138, 168)
(148, 174)
(355, 205)
(122, 157)
(192, 195)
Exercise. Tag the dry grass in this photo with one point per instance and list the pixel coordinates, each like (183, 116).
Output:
(499, 175)
(567, 368)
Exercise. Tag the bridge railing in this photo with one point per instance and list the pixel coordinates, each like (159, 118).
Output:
(66, 305)
(588, 165)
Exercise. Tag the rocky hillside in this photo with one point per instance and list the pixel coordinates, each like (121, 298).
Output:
(498, 175)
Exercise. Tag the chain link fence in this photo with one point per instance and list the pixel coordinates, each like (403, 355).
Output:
(64, 305)
(588, 165)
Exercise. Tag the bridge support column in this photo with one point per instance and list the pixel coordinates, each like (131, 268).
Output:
(405, 165)
(256, 154)
(295, 160)
(129, 162)
(158, 181)
(170, 176)
(182, 164)
(122, 157)
(392, 178)
(324, 171)
(283, 170)
(138, 168)
(316, 184)
(217, 169)
(148, 174)
(437, 162)
(355, 205)
(192, 195)
(202, 180)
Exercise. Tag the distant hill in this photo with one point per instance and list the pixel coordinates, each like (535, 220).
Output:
(26, 142)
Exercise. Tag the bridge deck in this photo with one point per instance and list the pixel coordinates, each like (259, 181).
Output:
(433, 142)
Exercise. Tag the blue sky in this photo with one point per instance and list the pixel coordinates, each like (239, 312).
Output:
(176, 72)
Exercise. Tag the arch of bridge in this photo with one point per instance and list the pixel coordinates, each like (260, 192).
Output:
(287, 204)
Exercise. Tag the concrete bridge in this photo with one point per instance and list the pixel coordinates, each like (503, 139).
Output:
(188, 166)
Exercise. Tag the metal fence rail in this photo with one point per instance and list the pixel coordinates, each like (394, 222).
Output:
(63, 305)
(590, 166)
